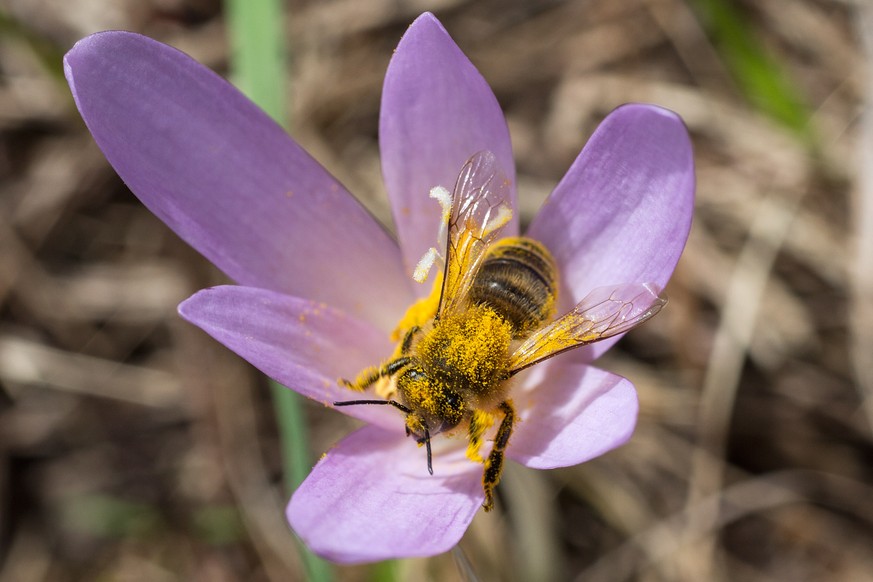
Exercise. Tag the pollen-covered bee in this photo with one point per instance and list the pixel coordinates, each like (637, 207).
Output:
(488, 318)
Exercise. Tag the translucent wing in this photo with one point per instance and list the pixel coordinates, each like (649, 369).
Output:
(479, 210)
(605, 312)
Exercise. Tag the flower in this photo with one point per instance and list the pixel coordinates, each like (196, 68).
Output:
(321, 284)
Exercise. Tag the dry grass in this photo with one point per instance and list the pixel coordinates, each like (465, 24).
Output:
(133, 447)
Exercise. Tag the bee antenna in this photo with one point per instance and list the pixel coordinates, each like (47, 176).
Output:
(427, 446)
(393, 403)
(426, 440)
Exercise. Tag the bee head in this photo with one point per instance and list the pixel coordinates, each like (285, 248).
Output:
(434, 405)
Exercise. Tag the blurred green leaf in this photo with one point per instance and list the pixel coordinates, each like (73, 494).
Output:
(48, 54)
(218, 525)
(387, 571)
(763, 80)
(110, 517)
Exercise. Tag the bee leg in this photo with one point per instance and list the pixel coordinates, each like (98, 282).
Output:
(369, 375)
(407, 339)
(494, 464)
(480, 422)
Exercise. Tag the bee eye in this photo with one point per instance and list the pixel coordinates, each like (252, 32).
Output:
(415, 375)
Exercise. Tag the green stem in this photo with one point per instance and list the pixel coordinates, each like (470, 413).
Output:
(258, 57)
(293, 436)
(259, 64)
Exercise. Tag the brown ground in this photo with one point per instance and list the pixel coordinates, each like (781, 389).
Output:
(133, 447)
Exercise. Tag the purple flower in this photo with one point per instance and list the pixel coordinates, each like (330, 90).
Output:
(321, 285)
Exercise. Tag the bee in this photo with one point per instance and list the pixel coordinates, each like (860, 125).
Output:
(490, 317)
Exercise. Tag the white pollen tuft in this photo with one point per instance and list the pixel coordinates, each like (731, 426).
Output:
(422, 269)
(503, 216)
(444, 197)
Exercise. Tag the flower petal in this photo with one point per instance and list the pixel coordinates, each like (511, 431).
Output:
(301, 344)
(229, 180)
(437, 111)
(623, 211)
(571, 413)
(371, 498)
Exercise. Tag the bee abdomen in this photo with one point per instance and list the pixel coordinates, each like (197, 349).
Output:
(518, 280)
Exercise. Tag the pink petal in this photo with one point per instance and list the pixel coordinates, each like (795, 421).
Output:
(623, 211)
(571, 413)
(371, 498)
(230, 181)
(437, 111)
(302, 344)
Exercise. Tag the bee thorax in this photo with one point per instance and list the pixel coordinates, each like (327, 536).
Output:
(468, 351)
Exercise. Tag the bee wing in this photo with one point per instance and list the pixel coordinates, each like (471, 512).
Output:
(479, 210)
(605, 312)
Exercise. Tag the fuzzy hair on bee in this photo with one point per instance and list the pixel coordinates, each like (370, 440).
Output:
(491, 315)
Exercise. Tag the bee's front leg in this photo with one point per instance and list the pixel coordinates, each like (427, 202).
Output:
(369, 376)
(494, 463)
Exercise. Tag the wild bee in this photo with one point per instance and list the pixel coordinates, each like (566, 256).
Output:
(486, 321)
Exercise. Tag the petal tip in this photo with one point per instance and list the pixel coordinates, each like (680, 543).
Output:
(91, 51)
(74, 55)
(658, 120)
(651, 111)
(185, 307)
(426, 25)
(188, 309)
(96, 40)
(427, 19)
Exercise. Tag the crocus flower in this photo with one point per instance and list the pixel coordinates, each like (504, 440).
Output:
(320, 285)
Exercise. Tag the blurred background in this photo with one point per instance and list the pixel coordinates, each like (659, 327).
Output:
(133, 447)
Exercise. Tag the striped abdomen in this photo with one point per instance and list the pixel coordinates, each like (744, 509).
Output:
(518, 279)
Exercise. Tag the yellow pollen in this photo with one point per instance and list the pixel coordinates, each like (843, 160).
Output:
(419, 313)
(474, 342)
